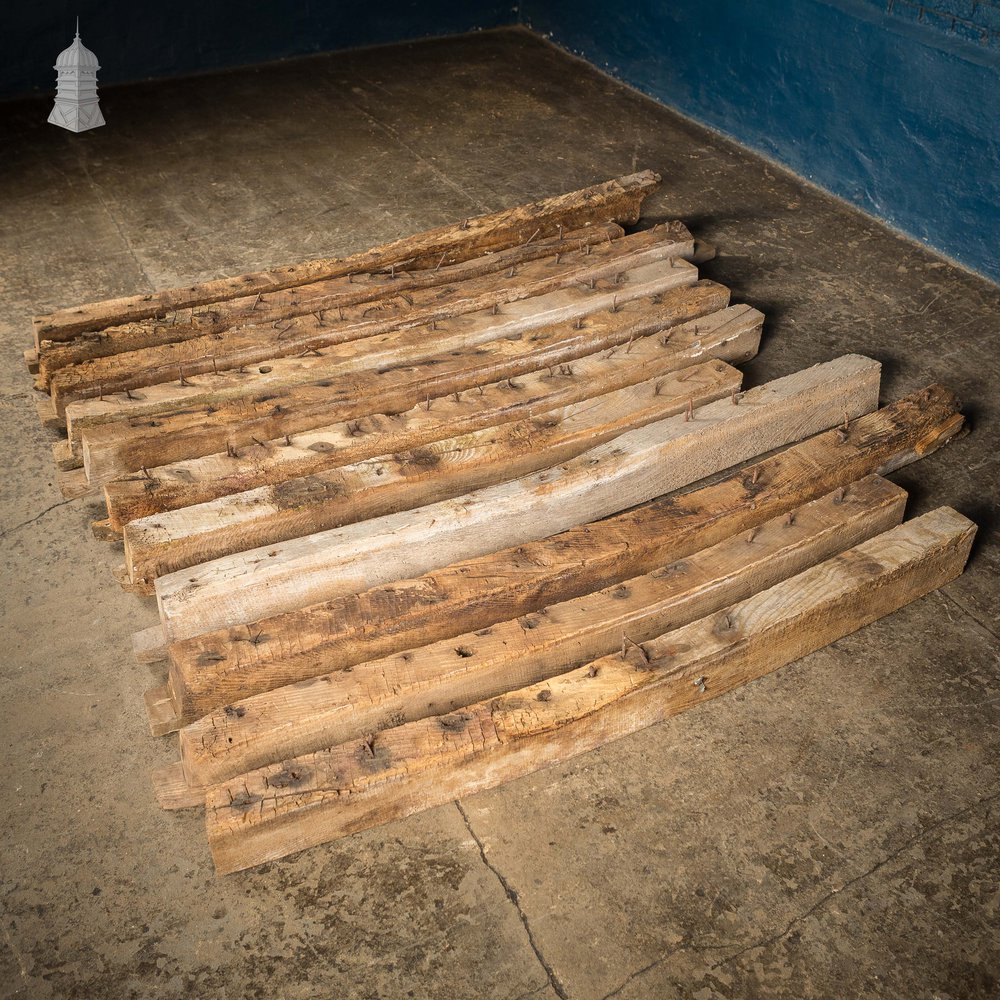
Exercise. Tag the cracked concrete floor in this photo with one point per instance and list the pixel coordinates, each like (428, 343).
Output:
(829, 831)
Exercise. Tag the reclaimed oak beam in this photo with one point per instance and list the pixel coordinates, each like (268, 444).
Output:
(264, 308)
(234, 662)
(732, 333)
(617, 200)
(403, 373)
(388, 483)
(442, 677)
(631, 469)
(259, 343)
(285, 807)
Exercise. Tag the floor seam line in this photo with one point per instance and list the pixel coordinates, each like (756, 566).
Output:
(511, 894)
(37, 517)
(822, 901)
(850, 883)
(433, 168)
(969, 614)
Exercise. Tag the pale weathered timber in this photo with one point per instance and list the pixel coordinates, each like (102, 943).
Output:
(513, 292)
(285, 807)
(320, 364)
(148, 646)
(617, 200)
(263, 308)
(47, 415)
(396, 386)
(211, 389)
(632, 468)
(386, 484)
(732, 334)
(72, 483)
(222, 666)
(64, 458)
(440, 678)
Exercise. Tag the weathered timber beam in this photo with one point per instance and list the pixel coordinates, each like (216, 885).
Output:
(388, 483)
(399, 343)
(732, 333)
(407, 375)
(263, 308)
(231, 663)
(440, 678)
(616, 200)
(257, 343)
(631, 469)
(285, 807)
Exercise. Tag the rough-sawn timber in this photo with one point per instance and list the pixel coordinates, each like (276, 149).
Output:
(294, 804)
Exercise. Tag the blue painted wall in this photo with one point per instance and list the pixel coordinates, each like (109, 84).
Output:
(146, 39)
(886, 103)
(891, 104)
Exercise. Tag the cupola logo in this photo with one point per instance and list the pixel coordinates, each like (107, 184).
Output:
(76, 106)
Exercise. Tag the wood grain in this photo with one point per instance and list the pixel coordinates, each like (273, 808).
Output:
(386, 484)
(408, 368)
(301, 336)
(631, 469)
(442, 677)
(285, 807)
(732, 333)
(225, 665)
(616, 200)
(263, 308)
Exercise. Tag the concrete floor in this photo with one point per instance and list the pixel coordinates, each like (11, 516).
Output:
(829, 831)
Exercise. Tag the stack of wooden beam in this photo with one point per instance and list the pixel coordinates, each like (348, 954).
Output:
(429, 517)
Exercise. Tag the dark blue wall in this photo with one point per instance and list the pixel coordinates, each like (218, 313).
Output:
(144, 38)
(893, 110)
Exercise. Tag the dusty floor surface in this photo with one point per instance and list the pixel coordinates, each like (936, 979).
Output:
(829, 831)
